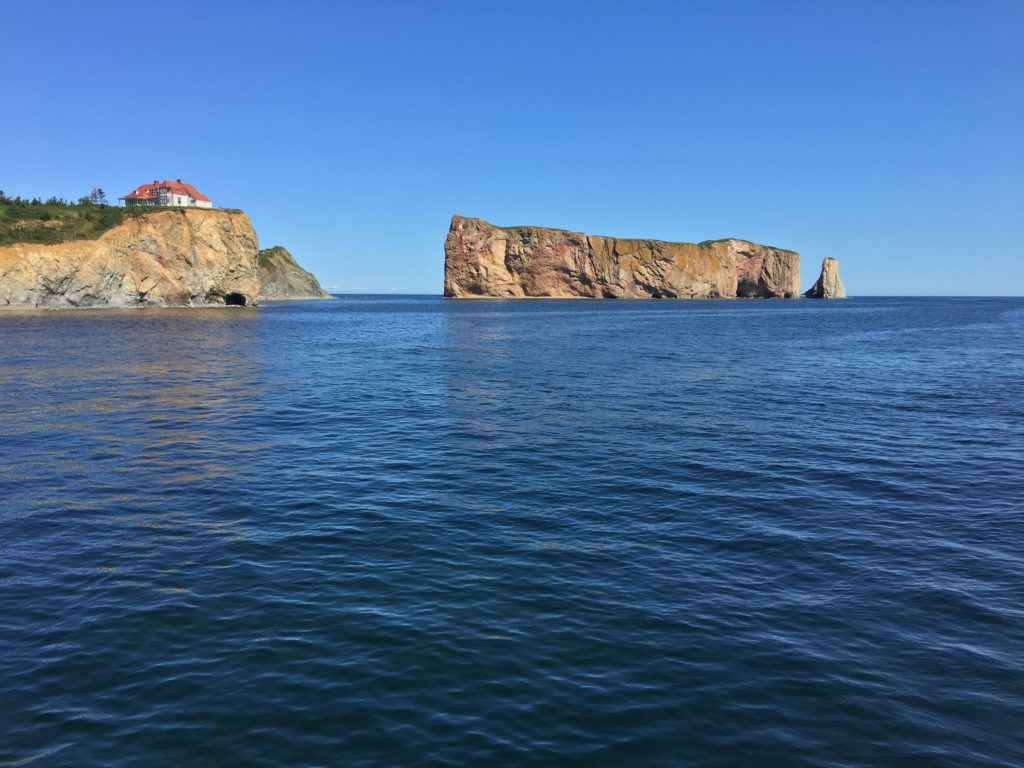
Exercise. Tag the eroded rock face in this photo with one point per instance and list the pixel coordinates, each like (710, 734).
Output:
(828, 286)
(283, 278)
(482, 260)
(178, 257)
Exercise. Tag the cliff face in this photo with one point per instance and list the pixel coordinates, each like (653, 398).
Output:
(177, 257)
(828, 286)
(484, 260)
(283, 278)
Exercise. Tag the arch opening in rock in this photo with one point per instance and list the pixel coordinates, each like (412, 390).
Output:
(235, 300)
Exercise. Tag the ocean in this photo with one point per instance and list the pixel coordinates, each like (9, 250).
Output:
(397, 531)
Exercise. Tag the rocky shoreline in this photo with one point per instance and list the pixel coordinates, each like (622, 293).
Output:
(194, 257)
(179, 257)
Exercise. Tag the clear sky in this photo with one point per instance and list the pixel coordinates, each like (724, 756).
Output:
(887, 134)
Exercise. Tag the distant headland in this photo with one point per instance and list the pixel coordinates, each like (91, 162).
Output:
(282, 279)
(486, 261)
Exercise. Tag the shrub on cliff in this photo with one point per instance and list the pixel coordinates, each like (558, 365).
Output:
(57, 220)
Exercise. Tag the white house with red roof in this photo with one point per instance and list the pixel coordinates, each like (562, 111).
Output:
(168, 193)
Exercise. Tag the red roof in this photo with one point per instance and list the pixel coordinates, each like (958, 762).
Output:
(150, 191)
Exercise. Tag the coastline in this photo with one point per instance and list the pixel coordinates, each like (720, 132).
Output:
(26, 308)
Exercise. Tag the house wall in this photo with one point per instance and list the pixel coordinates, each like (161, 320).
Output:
(169, 198)
(186, 200)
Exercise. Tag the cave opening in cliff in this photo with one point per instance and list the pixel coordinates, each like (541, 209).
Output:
(749, 289)
(234, 300)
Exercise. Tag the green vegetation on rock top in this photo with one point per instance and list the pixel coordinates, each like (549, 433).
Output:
(520, 230)
(57, 221)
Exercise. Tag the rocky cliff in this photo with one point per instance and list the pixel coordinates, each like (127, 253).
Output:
(283, 278)
(177, 257)
(484, 260)
(828, 286)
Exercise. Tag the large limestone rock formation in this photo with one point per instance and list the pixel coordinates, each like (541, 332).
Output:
(178, 257)
(283, 278)
(829, 286)
(484, 260)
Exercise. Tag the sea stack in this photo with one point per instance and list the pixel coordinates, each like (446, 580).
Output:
(482, 260)
(829, 286)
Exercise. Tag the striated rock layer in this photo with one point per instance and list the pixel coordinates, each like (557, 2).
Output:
(482, 260)
(283, 278)
(177, 257)
(828, 286)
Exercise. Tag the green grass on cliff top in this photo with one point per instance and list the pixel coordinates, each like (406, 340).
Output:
(707, 243)
(57, 221)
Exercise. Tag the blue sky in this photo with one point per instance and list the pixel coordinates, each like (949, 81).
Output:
(887, 134)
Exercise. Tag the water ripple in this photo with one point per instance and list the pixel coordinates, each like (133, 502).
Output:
(403, 531)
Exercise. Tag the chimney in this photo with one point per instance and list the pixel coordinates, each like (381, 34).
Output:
(179, 181)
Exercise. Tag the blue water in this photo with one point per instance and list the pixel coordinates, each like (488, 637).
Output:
(405, 531)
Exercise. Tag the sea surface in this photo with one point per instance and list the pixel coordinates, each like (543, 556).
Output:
(404, 531)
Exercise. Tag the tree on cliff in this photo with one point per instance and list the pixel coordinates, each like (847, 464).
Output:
(96, 197)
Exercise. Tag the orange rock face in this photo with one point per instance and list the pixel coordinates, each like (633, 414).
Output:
(177, 257)
(482, 260)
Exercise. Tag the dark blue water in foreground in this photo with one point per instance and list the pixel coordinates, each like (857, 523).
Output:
(415, 532)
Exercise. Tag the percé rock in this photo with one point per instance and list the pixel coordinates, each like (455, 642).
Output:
(177, 257)
(829, 286)
(482, 260)
(283, 278)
